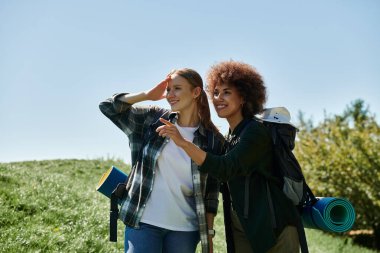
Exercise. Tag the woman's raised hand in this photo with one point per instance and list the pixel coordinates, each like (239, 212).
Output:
(171, 131)
(159, 91)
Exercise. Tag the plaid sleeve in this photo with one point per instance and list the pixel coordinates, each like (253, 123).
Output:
(121, 114)
(212, 195)
(132, 120)
(213, 184)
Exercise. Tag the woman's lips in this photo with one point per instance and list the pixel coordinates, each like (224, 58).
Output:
(220, 107)
(173, 102)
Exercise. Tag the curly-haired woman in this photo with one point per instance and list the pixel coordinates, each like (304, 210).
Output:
(259, 217)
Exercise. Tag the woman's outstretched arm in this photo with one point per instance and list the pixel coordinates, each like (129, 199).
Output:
(170, 130)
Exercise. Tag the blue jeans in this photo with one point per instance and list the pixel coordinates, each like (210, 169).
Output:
(152, 239)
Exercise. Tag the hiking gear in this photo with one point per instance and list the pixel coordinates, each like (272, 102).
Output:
(279, 115)
(109, 181)
(329, 214)
(288, 170)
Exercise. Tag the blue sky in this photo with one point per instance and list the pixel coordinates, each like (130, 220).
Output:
(59, 59)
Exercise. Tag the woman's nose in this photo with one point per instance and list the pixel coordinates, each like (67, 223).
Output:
(169, 93)
(216, 100)
(217, 96)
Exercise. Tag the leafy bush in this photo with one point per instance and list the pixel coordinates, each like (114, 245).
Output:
(340, 158)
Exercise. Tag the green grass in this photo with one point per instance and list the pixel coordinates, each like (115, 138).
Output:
(52, 206)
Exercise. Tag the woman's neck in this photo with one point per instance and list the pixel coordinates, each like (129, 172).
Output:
(234, 121)
(188, 119)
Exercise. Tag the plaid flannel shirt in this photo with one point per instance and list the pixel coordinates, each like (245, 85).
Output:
(135, 122)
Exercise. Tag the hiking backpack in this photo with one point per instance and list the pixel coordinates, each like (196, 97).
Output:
(288, 169)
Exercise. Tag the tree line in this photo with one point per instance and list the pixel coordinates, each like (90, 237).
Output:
(340, 158)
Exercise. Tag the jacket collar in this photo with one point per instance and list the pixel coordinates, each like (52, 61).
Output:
(239, 128)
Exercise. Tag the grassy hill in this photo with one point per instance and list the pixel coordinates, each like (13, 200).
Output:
(52, 206)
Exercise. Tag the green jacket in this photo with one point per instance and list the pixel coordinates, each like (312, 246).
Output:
(251, 154)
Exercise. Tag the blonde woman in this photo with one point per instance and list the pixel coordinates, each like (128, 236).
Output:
(171, 204)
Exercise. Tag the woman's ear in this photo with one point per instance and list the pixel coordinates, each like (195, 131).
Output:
(197, 91)
(242, 100)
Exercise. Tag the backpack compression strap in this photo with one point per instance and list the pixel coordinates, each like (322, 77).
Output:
(114, 214)
(302, 235)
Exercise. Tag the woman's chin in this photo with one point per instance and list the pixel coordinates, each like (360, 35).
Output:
(221, 115)
(174, 108)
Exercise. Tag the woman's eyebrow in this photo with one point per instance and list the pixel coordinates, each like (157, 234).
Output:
(174, 85)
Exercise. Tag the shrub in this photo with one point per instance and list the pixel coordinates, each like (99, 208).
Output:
(340, 158)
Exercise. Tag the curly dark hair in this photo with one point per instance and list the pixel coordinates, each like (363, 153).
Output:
(247, 81)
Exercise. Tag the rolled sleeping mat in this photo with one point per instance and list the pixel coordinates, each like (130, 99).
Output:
(110, 179)
(329, 214)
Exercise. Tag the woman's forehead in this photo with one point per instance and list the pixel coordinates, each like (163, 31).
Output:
(222, 86)
(177, 80)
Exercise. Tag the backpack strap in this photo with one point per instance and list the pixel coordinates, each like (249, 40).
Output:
(227, 217)
(246, 197)
(118, 193)
(271, 207)
(301, 234)
(114, 213)
(311, 199)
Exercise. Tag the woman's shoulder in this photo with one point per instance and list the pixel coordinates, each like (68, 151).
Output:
(259, 124)
(255, 128)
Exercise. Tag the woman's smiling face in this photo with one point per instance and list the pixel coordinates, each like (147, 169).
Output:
(180, 94)
(227, 101)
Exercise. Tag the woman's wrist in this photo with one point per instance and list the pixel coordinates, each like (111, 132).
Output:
(184, 144)
(195, 153)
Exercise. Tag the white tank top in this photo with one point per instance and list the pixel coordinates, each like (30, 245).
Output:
(171, 204)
